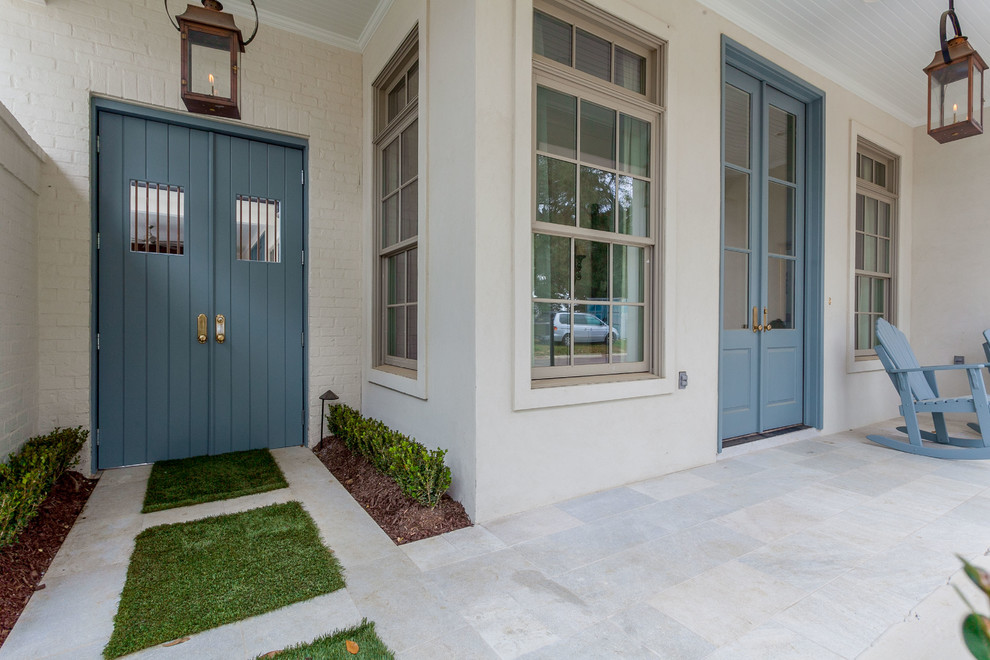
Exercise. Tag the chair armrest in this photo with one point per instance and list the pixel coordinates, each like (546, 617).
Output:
(941, 367)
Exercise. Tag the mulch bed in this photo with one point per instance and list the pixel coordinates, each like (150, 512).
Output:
(23, 565)
(404, 520)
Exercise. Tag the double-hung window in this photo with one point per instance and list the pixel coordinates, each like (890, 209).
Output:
(876, 225)
(597, 185)
(396, 200)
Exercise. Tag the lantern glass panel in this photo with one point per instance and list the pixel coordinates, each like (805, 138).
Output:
(977, 92)
(209, 63)
(950, 94)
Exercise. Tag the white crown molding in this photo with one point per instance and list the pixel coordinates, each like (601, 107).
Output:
(243, 9)
(376, 19)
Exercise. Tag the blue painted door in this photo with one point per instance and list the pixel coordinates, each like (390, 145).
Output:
(194, 225)
(761, 362)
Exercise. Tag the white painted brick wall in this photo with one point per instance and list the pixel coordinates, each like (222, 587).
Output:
(53, 57)
(20, 175)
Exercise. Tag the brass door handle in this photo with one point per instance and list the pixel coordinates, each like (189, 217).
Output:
(221, 329)
(766, 322)
(757, 327)
(201, 328)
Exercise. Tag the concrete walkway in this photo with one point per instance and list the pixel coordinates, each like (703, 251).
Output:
(821, 547)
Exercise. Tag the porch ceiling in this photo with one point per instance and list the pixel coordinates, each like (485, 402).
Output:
(874, 48)
(344, 23)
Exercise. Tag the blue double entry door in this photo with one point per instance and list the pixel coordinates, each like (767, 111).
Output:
(200, 292)
(761, 362)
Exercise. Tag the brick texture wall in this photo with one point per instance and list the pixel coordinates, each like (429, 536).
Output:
(20, 175)
(52, 57)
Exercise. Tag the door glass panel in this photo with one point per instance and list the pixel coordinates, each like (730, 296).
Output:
(737, 126)
(413, 84)
(551, 267)
(556, 191)
(594, 55)
(551, 38)
(879, 295)
(597, 199)
(590, 334)
(590, 270)
(258, 229)
(783, 145)
(551, 322)
(634, 145)
(735, 287)
(396, 99)
(390, 220)
(634, 206)
(780, 293)
(736, 209)
(597, 135)
(411, 333)
(412, 282)
(556, 123)
(862, 293)
(627, 324)
(883, 219)
(870, 216)
(863, 332)
(397, 279)
(780, 219)
(396, 331)
(628, 272)
(157, 218)
(630, 70)
(870, 253)
(390, 167)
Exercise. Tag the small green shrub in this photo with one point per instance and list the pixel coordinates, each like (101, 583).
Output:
(28, 476)
(976, 626)
(419, 472)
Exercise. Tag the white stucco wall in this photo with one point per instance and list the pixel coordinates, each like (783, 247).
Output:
(951, 286)
(529, 457)
(20, 183)
(54, 56)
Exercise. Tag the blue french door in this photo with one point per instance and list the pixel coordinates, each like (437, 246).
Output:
(761, 361)
(200, 292)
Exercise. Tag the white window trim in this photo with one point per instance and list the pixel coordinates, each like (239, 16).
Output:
(412, 382)
(530, 394)
(901, 300)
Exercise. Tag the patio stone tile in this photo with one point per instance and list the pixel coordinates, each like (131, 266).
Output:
(530, 525)
(834, 462)
(726, 602)
(767, 484)
(770, 458)
(726, 469)
(603, 640)
(806, 560)
(773, 641)
(821, 499)
(431, 553)
(215, 644)
(562, 612)
(83, 605)
(462, 643)
(298, 623)
(407, 614)
(366, 578)
(182, 514)
(465, 583)
(772, 519)
(661, 634)
(870, 527)
(672, 485)
(473, 541)
(116, 500)
(810, 447)
(908, 571)
(700, 548)
(507, 627)
(88, 652)
(689, 510)
(93, 545)
(351, 533)
(975, 510)
(120, 476)
(872, 480)
(258, 500)
(954, 535)
(606, 503)
(845, 616)
(624, 579)
(971, 472)
(927, 497)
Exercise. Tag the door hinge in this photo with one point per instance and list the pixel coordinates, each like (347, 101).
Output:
(302, 177)
(302, 338)
(97, 144)
(303, 258)
(97, 240)
(97, 437)
(302, 417)
(97, 341)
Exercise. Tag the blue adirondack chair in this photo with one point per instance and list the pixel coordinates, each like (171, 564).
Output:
(919, 394)
(986, 352)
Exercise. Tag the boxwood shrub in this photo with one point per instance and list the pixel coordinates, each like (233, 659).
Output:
(29, 474)
(419, 472)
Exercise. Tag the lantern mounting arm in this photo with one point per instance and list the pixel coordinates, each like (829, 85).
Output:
(950, 14)
(256, 22)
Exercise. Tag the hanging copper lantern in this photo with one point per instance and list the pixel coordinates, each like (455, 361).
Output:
(955, 86)
(211, 44)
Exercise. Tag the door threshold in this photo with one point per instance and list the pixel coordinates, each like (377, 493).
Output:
(752, 437)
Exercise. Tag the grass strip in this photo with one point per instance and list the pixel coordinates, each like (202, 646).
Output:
(193, 576)
(187, 481)
(333, 646)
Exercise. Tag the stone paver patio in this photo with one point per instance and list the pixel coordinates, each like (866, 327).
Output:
(815, 547)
